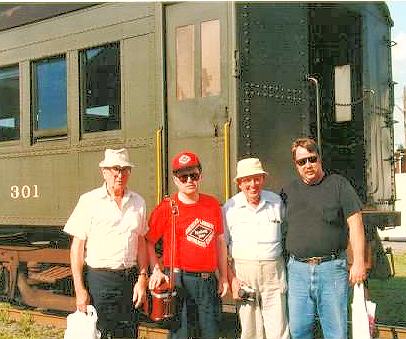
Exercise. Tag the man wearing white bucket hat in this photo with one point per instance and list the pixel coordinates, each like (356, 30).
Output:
(108, 226)
(257, 268)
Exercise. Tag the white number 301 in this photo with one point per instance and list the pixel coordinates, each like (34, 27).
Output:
(24, 192)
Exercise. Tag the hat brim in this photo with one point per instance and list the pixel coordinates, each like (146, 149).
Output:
(248, 174)
(104, 164)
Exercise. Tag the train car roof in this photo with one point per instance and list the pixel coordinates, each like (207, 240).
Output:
(18, 14)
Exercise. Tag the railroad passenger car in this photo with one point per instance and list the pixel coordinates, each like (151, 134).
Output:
(224, 79)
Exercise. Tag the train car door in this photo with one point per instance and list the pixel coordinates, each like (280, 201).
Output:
(197, 91)
(273, 90)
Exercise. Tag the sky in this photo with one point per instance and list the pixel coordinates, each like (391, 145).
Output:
(398, 13)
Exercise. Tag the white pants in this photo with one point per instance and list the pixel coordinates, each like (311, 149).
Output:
(266, 317)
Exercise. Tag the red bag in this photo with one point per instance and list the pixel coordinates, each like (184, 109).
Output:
(163, 303)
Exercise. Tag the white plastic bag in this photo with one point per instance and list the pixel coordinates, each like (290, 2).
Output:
(82, 325)
(363, 314)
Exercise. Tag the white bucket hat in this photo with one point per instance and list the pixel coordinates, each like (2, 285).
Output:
(249, 166)
(116, 157)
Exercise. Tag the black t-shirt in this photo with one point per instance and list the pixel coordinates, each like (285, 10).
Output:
(316, 215)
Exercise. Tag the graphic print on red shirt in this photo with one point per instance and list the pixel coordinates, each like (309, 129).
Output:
(200, 232)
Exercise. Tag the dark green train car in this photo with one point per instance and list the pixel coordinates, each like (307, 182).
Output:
(223, 79)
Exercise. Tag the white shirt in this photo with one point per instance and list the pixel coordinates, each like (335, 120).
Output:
(253, 233)
(111, 234)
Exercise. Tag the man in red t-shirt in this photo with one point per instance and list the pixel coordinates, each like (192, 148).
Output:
(200, 250)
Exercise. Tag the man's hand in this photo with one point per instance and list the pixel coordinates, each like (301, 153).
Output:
(82, 300)
(140, 290)
(157, 278)
(235, 287)
(223, 286)
(357, 272)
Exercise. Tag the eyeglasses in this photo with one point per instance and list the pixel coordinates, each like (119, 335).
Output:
(256, 179)
(184, 177)
(123, 170)
(304, 161)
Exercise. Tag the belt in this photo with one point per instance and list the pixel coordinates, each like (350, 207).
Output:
(317, 260)
(203, 275)
(127, 270)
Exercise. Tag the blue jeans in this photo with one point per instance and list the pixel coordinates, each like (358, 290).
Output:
(199, 307)
(318, 289)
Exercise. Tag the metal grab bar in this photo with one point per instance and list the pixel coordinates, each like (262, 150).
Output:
(227, 159)
(158, 147)
(316, 83)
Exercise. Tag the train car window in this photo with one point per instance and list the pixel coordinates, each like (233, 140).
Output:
(210, 46)
(185, 65)
(49, 97)
(342, 93)
(9, 103)
(100, 88)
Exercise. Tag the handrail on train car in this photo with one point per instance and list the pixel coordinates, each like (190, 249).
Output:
(316, 83)
(158, 144)
(227, 159)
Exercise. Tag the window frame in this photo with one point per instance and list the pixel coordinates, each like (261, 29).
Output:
(39, 134)
(19, 117)
(82, 87)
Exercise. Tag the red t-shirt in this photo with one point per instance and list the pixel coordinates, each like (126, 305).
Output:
(197, 228)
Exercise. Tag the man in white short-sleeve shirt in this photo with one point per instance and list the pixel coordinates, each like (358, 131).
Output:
(252, 220)
(108, 226)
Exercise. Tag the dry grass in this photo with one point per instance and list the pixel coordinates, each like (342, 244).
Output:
(25, 327)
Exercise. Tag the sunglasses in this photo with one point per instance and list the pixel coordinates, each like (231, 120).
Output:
(184, 177)
(304, 161)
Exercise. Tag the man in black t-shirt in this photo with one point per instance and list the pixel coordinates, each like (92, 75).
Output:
(323, 212)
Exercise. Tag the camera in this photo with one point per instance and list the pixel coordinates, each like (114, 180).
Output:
(247, 293)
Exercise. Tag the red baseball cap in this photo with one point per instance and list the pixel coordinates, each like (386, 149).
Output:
(183, 160)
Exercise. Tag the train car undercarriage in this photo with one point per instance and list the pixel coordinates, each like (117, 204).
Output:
(37, 277)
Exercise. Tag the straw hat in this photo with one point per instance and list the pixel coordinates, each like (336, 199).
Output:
(116, 157)
(248, 167)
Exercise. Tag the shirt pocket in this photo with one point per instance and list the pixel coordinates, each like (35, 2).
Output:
(132, 222)
(269, 232)
(331, 215)
(269, 228)
(241, 231)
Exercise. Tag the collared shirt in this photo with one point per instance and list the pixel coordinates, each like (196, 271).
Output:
(111, 234)
(253, 233)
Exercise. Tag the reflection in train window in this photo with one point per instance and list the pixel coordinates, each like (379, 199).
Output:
(9, 104)
(210, 40)
(48, 97)
(100, 88)
(185, 51)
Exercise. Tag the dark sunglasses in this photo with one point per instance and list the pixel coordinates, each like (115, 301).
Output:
(184, 177)
(304, 161)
